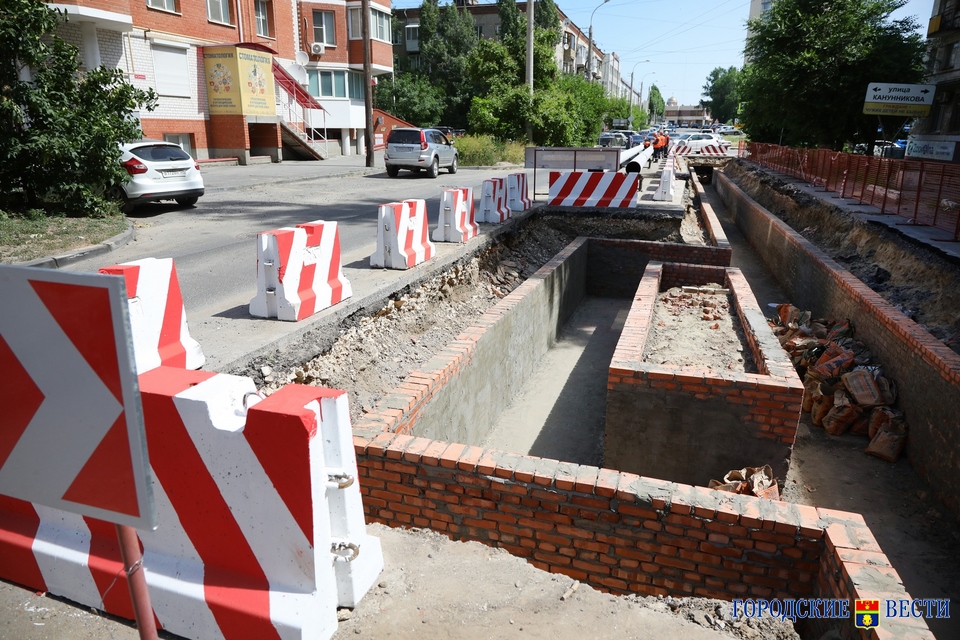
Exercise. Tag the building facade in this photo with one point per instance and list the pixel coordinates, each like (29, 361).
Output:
(239, 78)
(693, 115)
(935, 137)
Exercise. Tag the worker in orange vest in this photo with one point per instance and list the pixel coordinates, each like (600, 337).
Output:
(658, 146)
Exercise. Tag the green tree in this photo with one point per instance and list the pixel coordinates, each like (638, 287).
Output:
(655, 103)
(619, 108)
(546, 16)
(412, 97)
(722, 93)
(513, 26)
(444, 53)
(59, 131)
(810, 64)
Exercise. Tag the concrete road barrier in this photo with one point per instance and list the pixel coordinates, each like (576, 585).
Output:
(299, 271)
(592, 189)
(518, 198)
(457, 222)
(158, 319)
(402, 238)
(493, 201)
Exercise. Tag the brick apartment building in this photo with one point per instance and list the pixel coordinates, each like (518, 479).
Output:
(240, 78)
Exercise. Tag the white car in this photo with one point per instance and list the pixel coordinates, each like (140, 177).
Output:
(158, 170)
(698, 141)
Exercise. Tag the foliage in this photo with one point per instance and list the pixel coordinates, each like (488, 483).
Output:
(59, 131)
(33, 234)
(619, 108)
(810, 63)
(546, 16)
(412, 97)
(655, 103)
(723, 94)
(443, 51)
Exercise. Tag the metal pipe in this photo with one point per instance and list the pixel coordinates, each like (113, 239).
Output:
(136, 582)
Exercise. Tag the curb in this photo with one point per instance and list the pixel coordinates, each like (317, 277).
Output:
(63, 259)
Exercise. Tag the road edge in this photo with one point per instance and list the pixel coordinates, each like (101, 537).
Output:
(64, 259)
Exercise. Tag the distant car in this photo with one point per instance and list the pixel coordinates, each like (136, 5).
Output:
(612, 139)
(734, 132)
(416, 149)
(158, 170)
(698, 141)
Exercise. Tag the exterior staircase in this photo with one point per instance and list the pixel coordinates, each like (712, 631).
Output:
(297, 110)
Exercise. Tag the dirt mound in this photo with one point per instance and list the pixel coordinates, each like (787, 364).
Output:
(920, 281)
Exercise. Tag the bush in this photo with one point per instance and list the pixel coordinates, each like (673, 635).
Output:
(486, 151)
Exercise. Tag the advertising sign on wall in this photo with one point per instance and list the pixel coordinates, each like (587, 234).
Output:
(239, 81)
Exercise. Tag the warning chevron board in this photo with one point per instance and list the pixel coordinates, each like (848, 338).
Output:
(906, 100)
(71, 424)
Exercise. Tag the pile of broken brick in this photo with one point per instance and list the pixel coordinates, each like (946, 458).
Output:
(844, 388)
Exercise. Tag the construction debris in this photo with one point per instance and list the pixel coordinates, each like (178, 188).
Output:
(754, 481)
(844, 389)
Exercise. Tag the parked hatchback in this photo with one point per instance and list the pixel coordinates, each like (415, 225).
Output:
(158, 170)
(417, 149)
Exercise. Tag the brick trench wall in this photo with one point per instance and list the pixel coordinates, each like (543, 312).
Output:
(692, 424)
(459, 393)
(708, 217)
(925, 370)
(615, 267)
(620, 532)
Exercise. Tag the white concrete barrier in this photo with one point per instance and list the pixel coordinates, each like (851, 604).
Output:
(593, 189)
(158, 319)
(261, 530)
(402, 238)
(518, 198)
(456, 223)
(299, 271)
(493, 201)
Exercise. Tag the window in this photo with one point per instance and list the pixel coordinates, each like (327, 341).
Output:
(414, 61)
(951, 56)
(218, 11)
(355, 85)
(335, 84)
(354, 27)
(166, 5)
(479, 32)
(379, 25)
(412, 33)
(170, 69)
(261, 12)
(323, 28)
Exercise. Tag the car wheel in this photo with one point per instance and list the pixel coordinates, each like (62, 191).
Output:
(187, 202)
(454, 166)
(117, 194)
(434, 169)
(393, 172)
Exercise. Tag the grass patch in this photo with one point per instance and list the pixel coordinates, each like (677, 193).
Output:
(487, 151)
(24, 238)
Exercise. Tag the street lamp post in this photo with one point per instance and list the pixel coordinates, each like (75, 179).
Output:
(652, 73)
(631, 85)
(590, 45)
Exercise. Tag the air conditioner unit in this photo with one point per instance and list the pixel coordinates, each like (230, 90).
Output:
(317, 48)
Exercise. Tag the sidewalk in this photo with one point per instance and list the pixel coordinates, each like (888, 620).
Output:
(217, 177)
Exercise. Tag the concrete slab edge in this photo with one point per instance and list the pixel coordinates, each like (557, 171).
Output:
(64, 259)
(376, 299)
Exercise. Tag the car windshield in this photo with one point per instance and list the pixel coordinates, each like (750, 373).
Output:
(160, 153)
(404, 136)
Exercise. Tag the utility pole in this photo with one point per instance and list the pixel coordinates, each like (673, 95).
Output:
(530, 61)
(367, 79)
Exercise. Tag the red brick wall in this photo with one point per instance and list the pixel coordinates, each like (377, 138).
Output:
(265, 135)
(707, 215)
(390, 122)
(339, 53)
(926, 371)
(156, 127)
(618, 532)
(228, 132)
(192, 21)
(114, 6)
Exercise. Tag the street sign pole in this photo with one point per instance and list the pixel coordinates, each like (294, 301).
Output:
(136, 582)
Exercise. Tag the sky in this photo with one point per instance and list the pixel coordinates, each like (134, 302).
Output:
(684, 40)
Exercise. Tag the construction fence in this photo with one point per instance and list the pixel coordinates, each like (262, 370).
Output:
(923, 192)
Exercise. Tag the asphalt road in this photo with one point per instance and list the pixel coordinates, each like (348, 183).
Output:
(213, 244)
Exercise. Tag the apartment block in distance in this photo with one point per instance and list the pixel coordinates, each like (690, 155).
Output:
(241, 79)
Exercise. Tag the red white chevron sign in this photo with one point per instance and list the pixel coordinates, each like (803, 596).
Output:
(71, 425)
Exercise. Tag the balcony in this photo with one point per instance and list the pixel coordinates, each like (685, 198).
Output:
(945, 22)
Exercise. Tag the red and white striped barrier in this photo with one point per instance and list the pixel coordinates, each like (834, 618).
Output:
(261, 523)
(493, 201)
(682, 150)
(299, 271)
(402, 238)
(457, 223)
(158, 319)
(593, 189)
(518, 198)
(712, 150)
